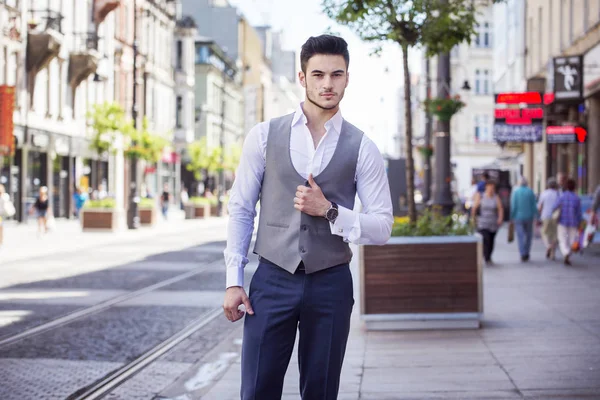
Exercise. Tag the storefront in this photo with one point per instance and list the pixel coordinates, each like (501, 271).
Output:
(591, 94)
(565, 153)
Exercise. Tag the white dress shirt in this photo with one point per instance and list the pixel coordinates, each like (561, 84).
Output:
(371, 226)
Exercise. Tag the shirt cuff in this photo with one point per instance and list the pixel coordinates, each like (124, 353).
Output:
(346, 224)
(235, 276)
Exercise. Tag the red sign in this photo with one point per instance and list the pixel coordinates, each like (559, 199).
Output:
(566, 134)
(7, 106)
(518, 116)
(519, 98)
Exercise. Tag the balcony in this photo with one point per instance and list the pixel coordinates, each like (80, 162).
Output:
(102, 8)
(84, 59)
(44, 38)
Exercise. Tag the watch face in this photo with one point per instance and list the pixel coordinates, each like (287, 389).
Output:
(332, 214)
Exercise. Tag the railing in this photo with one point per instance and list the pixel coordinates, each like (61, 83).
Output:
(47, 19)
(85, 41)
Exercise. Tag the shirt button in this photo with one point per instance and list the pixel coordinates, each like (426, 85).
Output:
(302, 250)
(340, 230)
(304, 227)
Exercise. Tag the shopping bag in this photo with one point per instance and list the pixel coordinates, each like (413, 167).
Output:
(511, 232)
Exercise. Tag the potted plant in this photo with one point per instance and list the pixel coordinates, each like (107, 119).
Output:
(444, 109)
(428, 276)
(147, 211)
(201, 207)
(425, 150)
(100, 215)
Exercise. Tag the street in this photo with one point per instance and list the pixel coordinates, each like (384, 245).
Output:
(140, 318)
(127, 298)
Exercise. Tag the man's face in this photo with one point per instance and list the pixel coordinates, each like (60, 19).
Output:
(325, 80)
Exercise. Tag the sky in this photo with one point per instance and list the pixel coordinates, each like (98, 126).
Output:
(371, 99)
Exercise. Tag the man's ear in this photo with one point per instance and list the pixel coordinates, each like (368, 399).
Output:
(302, 78)
(347, 78)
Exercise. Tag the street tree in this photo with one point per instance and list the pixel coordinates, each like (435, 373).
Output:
(203, 159)
(435, 25)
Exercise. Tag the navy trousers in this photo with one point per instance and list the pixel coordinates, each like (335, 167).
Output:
(318, 306)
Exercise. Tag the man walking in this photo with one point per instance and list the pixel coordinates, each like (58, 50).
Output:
(306, 168)
(523, 211)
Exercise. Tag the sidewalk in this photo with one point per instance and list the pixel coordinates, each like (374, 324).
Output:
(21, 241)
(540, 339)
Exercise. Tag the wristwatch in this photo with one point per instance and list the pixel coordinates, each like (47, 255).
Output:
(332, 213)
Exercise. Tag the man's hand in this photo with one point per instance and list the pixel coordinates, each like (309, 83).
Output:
(499, 222)
(310, 200)
(235, 296)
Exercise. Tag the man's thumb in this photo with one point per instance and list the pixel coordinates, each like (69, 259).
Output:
(248, 306)
(312, 182)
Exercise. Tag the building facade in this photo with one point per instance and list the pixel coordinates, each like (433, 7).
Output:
(57, 63)
(562, 38)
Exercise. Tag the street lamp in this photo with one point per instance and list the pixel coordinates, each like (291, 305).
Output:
(132, 211)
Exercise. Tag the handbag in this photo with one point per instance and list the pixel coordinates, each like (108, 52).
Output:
(511, 232)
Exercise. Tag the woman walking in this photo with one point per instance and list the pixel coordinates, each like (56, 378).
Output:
(546, 204)
(570, 218)
(41, 210)
(491, 215)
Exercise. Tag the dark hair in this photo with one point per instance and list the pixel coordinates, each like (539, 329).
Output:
(571, 185)
(486, 176)
(490, 182)
(324, 44)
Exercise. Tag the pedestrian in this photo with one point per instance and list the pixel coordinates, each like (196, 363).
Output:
(546, 204)
(523, 211)
(596, 205)
(569, 221)
(184, 197)
(491, 216)
(307, 168)
(165, 199)
(7, 210)
(485, 177)
(79, 199)
(41, 210)
(562, 178)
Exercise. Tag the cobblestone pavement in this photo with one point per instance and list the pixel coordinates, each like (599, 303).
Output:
(58, 362)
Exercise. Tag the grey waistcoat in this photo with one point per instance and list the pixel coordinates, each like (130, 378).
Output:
(287, 236)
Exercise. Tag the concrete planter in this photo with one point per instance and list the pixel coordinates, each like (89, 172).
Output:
(100, 219)
(194, 211)
(147, 216)
(422, 283)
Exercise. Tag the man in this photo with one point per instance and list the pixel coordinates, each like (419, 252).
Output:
(307, 168)
(546, 203)
(523, 211)
(562, 178)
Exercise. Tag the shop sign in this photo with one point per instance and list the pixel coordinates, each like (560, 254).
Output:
(565, 134)
(518, 133)
(518, 117)
(7, 107)
(568, 78)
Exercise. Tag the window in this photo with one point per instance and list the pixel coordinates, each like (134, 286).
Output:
(483, 37)
(483, 81)
(179, 56)
(483, 129)
(178, 111)
(202, 54)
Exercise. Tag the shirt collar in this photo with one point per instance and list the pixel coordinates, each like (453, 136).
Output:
(335, 121)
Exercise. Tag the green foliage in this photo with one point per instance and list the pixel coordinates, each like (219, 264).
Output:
(147, 203)
(107, 120)
(107, 203)
(203, 159)
(143, 144)
(431, 224)
(444, 109)
(436, 25)
(204, 201)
